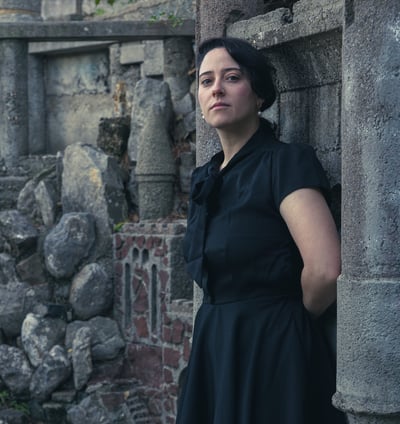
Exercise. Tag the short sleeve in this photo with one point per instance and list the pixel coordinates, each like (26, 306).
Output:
(296, 166)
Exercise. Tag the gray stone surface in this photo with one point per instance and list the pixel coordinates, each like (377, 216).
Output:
(69, 243)
(14, 107)
(93, 183)
(16, 300)
(81, 357)
(18, 230)
(50, 374)
(89, 410)
(105, 336)
(15, 370)
(7, 269)
(369, 287)
(47, 198)
(150, 145)
(39, 334)
(19, 10)
(132, 53)
(10, 186)
(32, 269)
(91, 292)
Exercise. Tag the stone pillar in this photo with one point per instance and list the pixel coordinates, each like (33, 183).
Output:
(212, 19)
(368, 383)
(13, 82)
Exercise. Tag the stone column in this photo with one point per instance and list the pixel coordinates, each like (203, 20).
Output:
(368, 383)
(13, 82)
(212, 19)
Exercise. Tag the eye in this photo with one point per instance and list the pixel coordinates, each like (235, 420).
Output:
(205, 82)
(232, 77)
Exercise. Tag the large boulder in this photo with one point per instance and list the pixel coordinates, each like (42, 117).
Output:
(105, 336)
(94, 183)
(91, 292)
(51, 373)
(15, 369)
(39, 334)
(69, 243)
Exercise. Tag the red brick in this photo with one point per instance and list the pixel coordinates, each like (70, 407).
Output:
(164, 277)
(141, 302)
(186, 349)
(177, 331)
(168, 376)
(165, 261)
(149, 243)
(117, 241)
(141, 327)
(145, 364)
(171, 357)
(140, 241)
(167, 334)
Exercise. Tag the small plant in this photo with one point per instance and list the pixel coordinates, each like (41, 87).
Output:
(7, 401)
(174, 20)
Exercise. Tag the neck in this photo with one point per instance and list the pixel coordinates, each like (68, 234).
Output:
(232, 140)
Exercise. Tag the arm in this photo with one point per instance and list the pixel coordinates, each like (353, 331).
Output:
(312, 227)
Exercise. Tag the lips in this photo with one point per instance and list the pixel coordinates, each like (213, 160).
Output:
(218, 105)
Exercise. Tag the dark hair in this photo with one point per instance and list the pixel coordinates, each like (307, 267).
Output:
(252, 61)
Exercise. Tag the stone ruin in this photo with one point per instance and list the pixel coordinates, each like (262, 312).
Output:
(95, 305)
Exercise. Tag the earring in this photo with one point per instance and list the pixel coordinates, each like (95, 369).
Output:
(202, 116)
(259, 113)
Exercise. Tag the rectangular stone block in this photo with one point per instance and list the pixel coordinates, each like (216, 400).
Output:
(132, 53)
(154, 54)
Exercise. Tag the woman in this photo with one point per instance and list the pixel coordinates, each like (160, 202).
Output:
(262, 244)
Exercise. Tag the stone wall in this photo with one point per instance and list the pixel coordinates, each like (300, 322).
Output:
(154, 310)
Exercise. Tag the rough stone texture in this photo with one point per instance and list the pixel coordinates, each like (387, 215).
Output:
(32, 269)
(18, 230)
(81, 357)
(39, 334)
(14, 107)
(19, 10)
(16, 300)
(91, 292)
(105, 337)
(69, 243)
(15, 370)
(92, 183)
(53, 371)
(12, 416)
(113, 136)
(9, 187)
(46, 198)
(7, 269)
(148, 92)
(369, 287)
(150, 145)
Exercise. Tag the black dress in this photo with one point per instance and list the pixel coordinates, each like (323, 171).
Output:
(257, 355)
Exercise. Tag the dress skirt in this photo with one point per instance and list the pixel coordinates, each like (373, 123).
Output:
(258, 361)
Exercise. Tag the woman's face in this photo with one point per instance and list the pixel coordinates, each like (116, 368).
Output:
(225, 94)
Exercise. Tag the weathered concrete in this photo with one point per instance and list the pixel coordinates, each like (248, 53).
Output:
(19, 10)
(14, 104)
(369, 287)
(96, 31)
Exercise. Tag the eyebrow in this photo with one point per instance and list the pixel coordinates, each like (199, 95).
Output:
(223, 70)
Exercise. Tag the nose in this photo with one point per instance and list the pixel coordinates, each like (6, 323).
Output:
(218, 90)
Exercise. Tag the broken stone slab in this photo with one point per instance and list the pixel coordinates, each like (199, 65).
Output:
(94, 183)
(16, 300)
(46, 198)
(31, 269)
(39, 198)
(81, 358)
(105, 336)
(39, 334)
(69, 243)
(15, 370)
(91, 292)
(18, 230)
(50, 374)
(89, 410)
